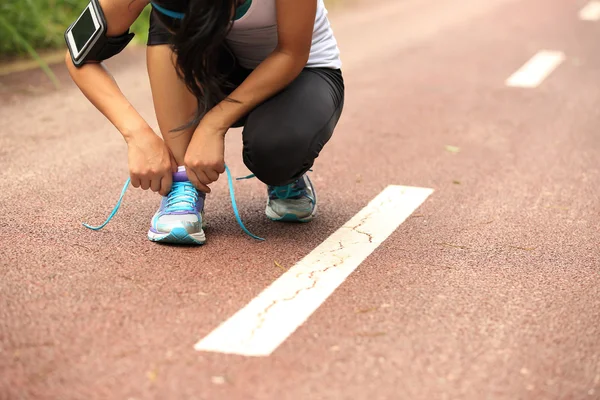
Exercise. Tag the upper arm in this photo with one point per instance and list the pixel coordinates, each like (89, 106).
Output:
(295, 24)
(120, 14)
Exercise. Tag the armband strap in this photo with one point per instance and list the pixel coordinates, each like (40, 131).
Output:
(98, 47)
(113, 46)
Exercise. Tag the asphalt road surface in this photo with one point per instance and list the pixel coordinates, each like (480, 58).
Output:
(480, 280)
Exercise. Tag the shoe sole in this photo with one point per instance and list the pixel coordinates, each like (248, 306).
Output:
(178, 236)
(273, 216)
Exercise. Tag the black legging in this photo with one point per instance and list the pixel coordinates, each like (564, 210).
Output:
(284, 135)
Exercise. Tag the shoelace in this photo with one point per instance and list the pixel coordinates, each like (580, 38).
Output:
(283, 192)
(286, 192)
(181, 196)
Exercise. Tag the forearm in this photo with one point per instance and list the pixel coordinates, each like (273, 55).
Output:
(271, 76)
(102, 91)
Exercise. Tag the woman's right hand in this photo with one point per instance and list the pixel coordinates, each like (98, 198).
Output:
(151, 164)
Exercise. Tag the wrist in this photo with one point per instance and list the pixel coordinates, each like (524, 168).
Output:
(218, 119)
(213, 126)
(130, 123)
(133, 132)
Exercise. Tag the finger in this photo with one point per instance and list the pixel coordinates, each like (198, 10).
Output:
(155, 184)
(212, 175)
(196, 182)
(203, 177)
(165, 184)
(220, 168)
(135, 181)
(145, 183)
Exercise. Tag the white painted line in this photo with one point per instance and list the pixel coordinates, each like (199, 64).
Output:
(271, 317)
(536, 69)
(591, 11)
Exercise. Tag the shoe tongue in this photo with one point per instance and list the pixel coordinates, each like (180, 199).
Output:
(300, 184)
(180, 176)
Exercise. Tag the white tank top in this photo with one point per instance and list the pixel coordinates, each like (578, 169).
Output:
(254, 36)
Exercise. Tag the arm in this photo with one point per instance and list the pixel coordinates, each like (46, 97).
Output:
(96, 83)
(150, 163)
(295, 23)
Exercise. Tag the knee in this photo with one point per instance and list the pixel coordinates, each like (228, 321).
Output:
(277, 159)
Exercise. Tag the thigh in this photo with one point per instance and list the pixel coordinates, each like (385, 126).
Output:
(301, 118)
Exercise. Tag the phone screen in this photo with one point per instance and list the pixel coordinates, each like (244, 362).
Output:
(83, 29)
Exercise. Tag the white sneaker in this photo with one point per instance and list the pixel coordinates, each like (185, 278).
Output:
(296, 202)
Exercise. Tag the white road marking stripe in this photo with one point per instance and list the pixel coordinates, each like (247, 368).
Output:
(591, 11)
(536, 69)
(271, 317)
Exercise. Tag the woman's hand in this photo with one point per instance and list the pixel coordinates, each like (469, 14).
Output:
(151, 165)
(205, 156)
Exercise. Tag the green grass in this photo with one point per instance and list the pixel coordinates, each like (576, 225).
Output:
(28, 26)
(41, 24)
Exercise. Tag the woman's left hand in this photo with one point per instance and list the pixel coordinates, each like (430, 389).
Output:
(205, 156)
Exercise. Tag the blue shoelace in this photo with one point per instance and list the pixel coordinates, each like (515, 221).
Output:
(283, 192)
(286, 192)
(182, 198)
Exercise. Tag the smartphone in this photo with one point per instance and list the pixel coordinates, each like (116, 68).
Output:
(85, 32)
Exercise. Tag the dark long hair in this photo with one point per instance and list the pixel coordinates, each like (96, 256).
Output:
(198, 44)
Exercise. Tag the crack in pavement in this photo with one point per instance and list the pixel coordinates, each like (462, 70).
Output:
(262, 315)
(311, 276)
(365, 233)
(361, 223)
(338, 249)
(299, 274)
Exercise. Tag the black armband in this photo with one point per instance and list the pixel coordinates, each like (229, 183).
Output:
(86, 37)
